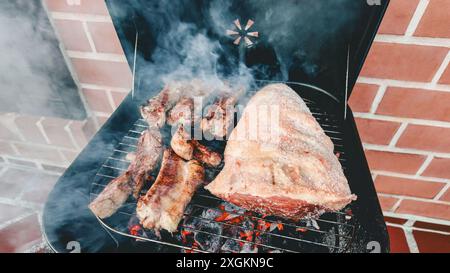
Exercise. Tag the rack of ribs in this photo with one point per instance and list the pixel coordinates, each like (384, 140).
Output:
(164, 204)
(188, 148)
(154, 110)
(219, 117)
(148, 153)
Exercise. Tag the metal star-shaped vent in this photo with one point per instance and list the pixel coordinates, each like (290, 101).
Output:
(242, 34)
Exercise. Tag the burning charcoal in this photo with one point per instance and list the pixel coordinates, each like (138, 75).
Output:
(233, 208)
(211, 214)
(249, 248)
(208, 237)
(135, 229)
(231, 245)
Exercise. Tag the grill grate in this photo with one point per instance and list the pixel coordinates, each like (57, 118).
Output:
(332, 232)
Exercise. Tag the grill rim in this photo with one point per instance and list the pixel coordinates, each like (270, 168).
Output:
(80, 173)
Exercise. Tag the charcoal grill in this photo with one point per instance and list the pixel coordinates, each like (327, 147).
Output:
(357, 228)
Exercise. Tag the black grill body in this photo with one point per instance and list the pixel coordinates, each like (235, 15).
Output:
(66, 217)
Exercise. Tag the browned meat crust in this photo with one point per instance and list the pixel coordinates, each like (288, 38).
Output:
(154, 111)
(183, 112)
(112, 197)
(181, 144)
(164, 204)
(283, 206)
(205, 155)
(187, 149)
(291, 173)
(148, 154)
(219, 118)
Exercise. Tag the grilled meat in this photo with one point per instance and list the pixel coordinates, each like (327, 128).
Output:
(154, 111)
(292, 173)
(219, 117)
(148, 154)
(164, 204)
(146, 158)
(112, 197)
(183, 113)
(181, 143)
(205, 155)
(187, 148)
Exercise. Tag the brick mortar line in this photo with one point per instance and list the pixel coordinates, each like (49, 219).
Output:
(442, 192)
(398, 134)
(416, 18)
(441, 69)
(38, 162)
(375, 147)
(9, 161)
(97, 56)
(8, 120)
(21, 203)
(41, 129)
(72, 138)
(378, 97)
(405, 84)
(411, 241)
(414, 198)
(396, 205)
(417, 218)
(40, 145)
(413, 177)
(414, 121)
(89, 37)
(412, 40)
(417, 228)
(80, 17)
(110, 99)
(105, 87)
(102, 114)
(30, 168)
(425, 165)
(16, 219)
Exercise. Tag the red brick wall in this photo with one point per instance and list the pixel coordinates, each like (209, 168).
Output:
(402, 105)
(97, 62)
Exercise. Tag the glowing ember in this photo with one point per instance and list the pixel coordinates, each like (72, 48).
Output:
(280, 226)
(348, 214)
(134, 230)
(247, 235)
(301, 229)
(222, 217)
(184, 234)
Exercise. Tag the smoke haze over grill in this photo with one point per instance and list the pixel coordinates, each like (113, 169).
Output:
(34, 77)
(188, 39)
